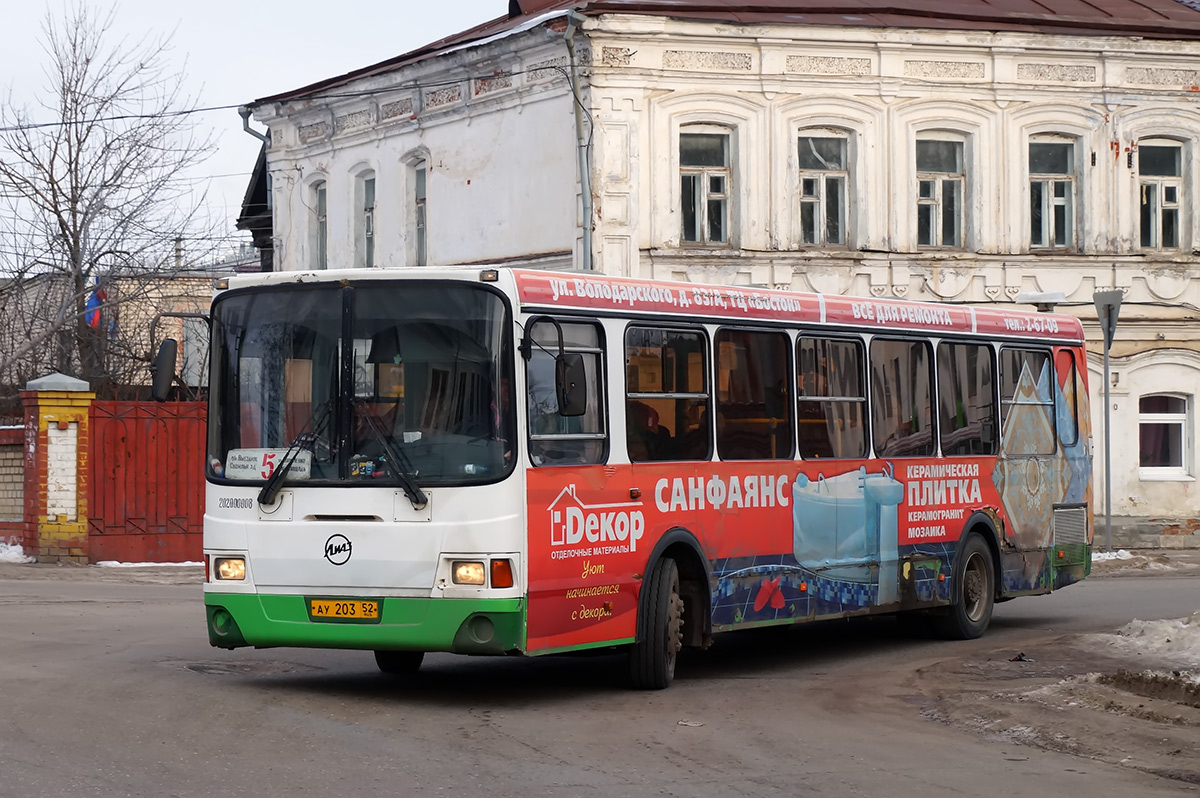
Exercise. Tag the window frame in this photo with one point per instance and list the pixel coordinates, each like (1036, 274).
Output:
(789, 401)
(846, 177)
(864, 377)
(1050, 201)
(420, 171)
(703, 195)
(365, 200)
(1182, 472)
(942, 431)
(1005, 404)
(937, 200)
(600, 353)
(930, 359)
(320, 228)
(1160, 184)
(706, 340)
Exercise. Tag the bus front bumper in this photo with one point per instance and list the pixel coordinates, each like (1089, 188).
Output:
(460, 626)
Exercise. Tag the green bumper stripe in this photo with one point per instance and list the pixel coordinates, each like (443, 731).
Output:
(463, 626)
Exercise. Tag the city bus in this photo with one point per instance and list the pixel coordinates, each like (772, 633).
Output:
(500, 461)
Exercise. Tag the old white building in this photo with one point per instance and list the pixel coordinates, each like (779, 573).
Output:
(953, 152)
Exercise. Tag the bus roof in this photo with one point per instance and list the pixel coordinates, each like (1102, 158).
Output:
(549, 290)
(601, 294)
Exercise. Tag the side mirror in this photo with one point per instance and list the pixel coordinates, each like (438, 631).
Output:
(163, 370)
(570, 382)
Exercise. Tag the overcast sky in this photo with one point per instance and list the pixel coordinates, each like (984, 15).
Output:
(239, 50)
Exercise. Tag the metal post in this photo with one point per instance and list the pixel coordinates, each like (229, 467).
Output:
(1107, 453)
(1108, 305)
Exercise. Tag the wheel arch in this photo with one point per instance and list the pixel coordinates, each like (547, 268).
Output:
(695, 581)
(984, 525)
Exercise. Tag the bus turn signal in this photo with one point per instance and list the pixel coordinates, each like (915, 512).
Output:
(502, 575)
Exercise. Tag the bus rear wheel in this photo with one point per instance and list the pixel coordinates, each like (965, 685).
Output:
(659, 629)
(399, 662)
(974, 581)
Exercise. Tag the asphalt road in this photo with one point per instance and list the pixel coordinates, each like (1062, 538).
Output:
(109, 688)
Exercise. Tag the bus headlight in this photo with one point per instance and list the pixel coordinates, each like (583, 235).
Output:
(232, 568)
(468, 573)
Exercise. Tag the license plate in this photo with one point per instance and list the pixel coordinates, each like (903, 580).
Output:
(344, 610)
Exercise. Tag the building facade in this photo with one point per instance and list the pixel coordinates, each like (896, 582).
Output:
(955, 158)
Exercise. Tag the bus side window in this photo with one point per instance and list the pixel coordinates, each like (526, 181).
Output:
(1067, 410)
(901, 398)
(667, 399)
(754, 397)
(563, 440)
(831, 398)
(1027, 401)
(966, 399)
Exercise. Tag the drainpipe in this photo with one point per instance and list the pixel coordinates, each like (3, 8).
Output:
(244, 112)
(585, 178)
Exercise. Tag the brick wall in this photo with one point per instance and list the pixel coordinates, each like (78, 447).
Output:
(12, 483)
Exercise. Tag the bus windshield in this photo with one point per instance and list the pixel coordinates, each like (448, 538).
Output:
(383, 383)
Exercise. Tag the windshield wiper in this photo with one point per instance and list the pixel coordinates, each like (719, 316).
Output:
(271, 487)
(403, 466)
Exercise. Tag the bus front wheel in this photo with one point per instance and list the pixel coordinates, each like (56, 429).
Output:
(975, 585)
(659, 629)
(399, 662)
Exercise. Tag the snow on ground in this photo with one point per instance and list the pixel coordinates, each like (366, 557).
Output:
(1173, 640)
(1105, 556)
(11, 552)
(115, 564)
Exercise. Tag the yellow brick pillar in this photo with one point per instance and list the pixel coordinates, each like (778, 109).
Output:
(58, 408)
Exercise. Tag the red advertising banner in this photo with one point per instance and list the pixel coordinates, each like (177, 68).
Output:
(601, 294)
(592, 529)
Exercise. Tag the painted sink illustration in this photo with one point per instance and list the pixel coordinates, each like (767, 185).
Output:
(844, 525)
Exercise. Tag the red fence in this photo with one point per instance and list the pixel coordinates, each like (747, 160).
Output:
(146, 501)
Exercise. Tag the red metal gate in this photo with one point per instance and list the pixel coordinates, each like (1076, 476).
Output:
(146, 493)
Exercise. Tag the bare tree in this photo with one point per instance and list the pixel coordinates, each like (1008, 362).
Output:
(95, 180)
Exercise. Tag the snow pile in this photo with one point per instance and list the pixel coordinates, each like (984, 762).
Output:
(1105, 556)
(115, 564)
(11, 552)
(1176, 641)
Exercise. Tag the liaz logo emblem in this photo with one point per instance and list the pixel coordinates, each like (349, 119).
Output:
(337, 549)
(610, 528)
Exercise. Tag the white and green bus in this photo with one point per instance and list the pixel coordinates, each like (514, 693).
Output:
(521, 462)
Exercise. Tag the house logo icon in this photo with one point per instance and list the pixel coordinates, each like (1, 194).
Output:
(572, 522)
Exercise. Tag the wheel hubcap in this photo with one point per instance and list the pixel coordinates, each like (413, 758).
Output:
(975, 588)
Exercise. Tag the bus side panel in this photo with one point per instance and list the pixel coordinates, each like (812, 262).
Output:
(787, 541)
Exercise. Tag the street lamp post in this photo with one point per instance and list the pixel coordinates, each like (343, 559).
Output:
(1108, 305)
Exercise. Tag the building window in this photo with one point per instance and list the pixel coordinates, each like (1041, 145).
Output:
(901, 398)
(1160, 183)
(368, 220)
(831, 398)
(704, 176)
(667, 402)
(320, 226)
(754, 413)
(940, 190)
(1162, 430)
(967, 399)
(419, 231)
(824, 177)
(1052, 195)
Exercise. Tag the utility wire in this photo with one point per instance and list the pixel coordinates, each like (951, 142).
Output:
(330, 96)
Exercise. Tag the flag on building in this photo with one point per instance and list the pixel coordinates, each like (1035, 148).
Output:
(91, 311)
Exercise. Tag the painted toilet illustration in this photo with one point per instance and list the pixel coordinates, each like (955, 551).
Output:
(843, 525)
